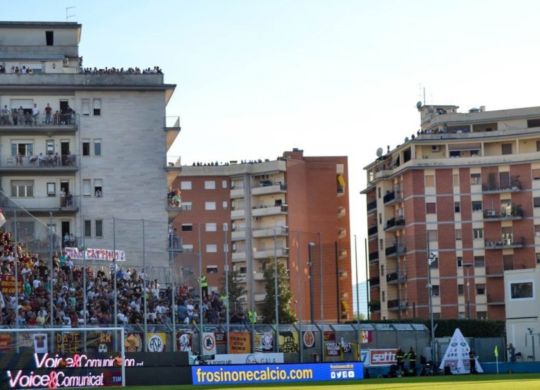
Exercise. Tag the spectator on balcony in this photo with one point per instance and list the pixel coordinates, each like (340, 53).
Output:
(5, 115)
(56, 118)
(20, 116)
(48, 112)
(41, 160)
(35, 115)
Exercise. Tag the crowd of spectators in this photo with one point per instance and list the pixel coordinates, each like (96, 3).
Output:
(113, 70)
(217, 164)
(33, 306)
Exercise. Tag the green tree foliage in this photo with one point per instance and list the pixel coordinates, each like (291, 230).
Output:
(286, 314)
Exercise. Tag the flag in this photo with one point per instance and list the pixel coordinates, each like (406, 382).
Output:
(2, 218)
(496, 351)
(433, 257)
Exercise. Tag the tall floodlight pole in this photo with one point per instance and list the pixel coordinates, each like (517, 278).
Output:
(311, 293)
(276, 287)
(357, 280)
(227, 302)
(432, 257)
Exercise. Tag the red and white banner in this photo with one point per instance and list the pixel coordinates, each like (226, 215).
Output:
(95, 254)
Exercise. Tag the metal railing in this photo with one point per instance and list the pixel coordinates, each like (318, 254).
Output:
(40, 161)
(56, 119)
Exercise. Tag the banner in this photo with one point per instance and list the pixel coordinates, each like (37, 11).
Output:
(7, 285)
(184, 341)
(40, 343)
(272, 373)
(247, 358)
(382, 357)
(209, 344)
(133, 342)
(221, 338)
(366, 336)
(264, 342)
(308, 338)
(288, 342)
(332, 348)
(67, 342)
(240, 342)
(95, 254)
(5, 342)
(156, 342)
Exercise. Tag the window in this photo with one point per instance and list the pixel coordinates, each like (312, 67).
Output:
(431, 208)
(475, 179)
(383, 296)
(225, 204)
(459, 261)
(478, 234)
(506, 148)
(458, 234)
(97, 147)
(187, 227)
(481, 315)
(538, 258)
(212, 269)
(382, 269)
(85, 107)
(536, 202)
(97, 107)
(209, 205)
(476, 205)
(432, 235)
(478, 261)
(87, 228)
(86, 148)
(538, 146)
(49, 38)
(455, 179)
(98, 188)
(379, 192)
(457, 207)
(480, 289)
(49, 146)
(51, 189)
(224, 184)
(86, 185)
(521, 290)
(380, 218)
(381, 244)
(209, 184)
(211, 248)
(185, 185)
(22, 188)
(533, 123)
(99, 228)
(430, 180)
(435, 291)
(460, 289)
(536, 173)
(22, 148)
(211, 227)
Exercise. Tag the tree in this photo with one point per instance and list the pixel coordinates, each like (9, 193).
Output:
(286, 314)
(235, 291)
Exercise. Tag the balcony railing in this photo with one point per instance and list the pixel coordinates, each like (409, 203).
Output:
(495, 300)
(372, 230)
(393, 303)
(395, 250)
(178, 206)
(505, 213)
(40, 161)
(390, 196)
(394, 223)
(49, 204)
(505, 243)
(374, 281)
(372, 206)
(373, 256)
(374, 306)
(514, 185)
(42, 122)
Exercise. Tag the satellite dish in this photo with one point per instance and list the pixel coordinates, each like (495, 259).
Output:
(419, 104)
(379, 152)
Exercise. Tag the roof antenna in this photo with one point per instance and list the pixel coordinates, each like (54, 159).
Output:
(67, 13)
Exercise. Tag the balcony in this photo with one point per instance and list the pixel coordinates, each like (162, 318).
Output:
(374, 281)
(49, 164)
(497, 188)
(392, 197)
(374, 256)
(50, 204)
(237, 193)
(262, 211)
(269, 253)
(504, 214)
(343, 254)
(393, 304)
(238, 235)
(237, 214)
(268, 187)
(394, 224)
(278, 231)
(494, 271)
(341, 212)
(395, 250)
(396, 277)
(374, 306)
(505, 243)
(239, 256)
(372, 230)
(27, 125)
(372, 206)
(495, 300)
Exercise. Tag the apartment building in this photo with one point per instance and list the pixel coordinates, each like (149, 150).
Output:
(83, 150)
(467, 188)
(251, 214)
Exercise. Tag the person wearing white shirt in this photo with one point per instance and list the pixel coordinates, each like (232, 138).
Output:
(35, 114)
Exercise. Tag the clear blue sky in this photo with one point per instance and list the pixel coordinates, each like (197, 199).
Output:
(333, 77)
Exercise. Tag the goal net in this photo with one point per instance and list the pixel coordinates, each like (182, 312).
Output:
(62, 357)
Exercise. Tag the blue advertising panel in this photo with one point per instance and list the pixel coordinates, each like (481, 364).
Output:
(276, 373)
